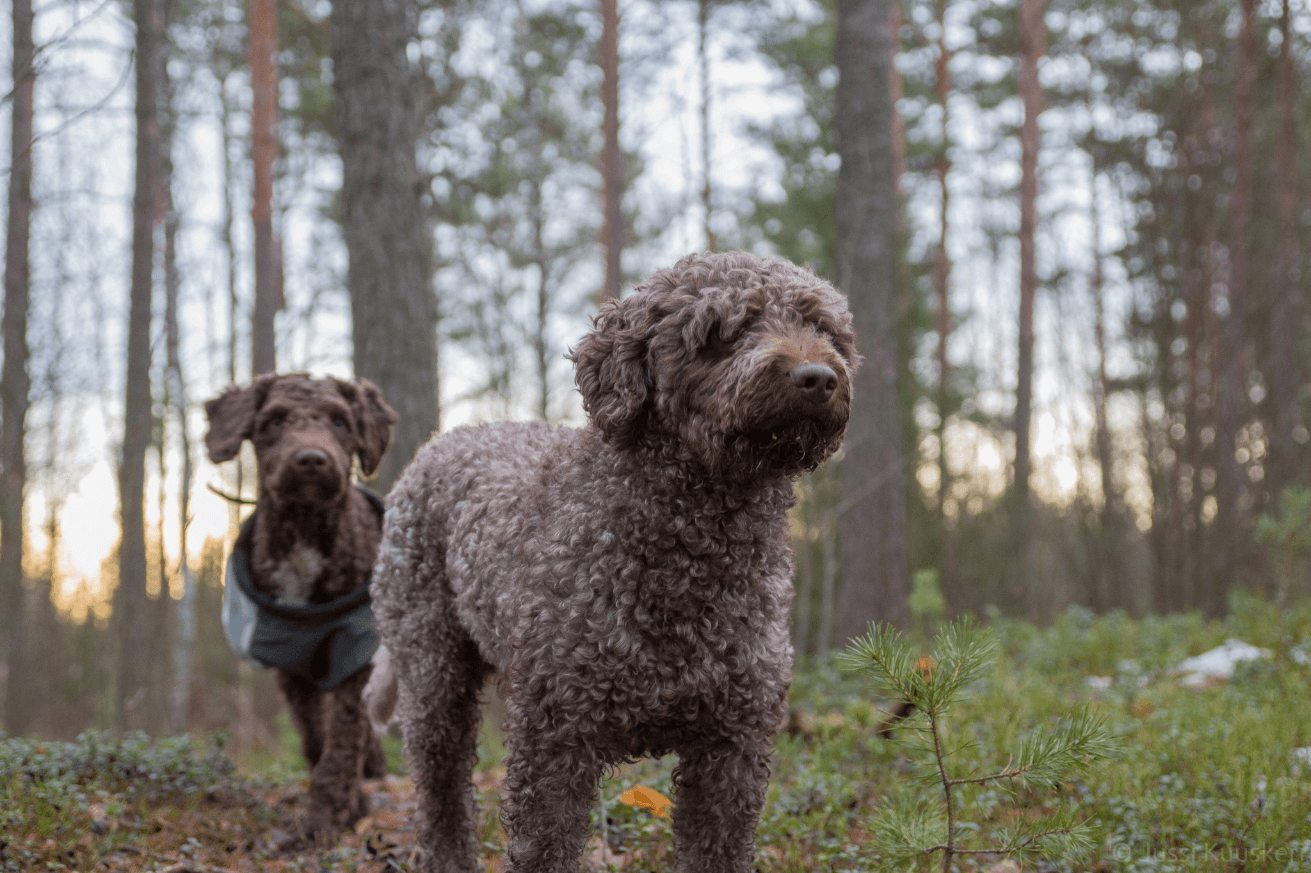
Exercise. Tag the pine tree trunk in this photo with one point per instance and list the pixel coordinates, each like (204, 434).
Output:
(942, 263)
(393, 306)
(180, 701)
(1108, 593)
(540, 260)
(896, 91)
(703, 58)
(1230, 532)
(1033, 34)
(612, 158)
(1284, 367)
(263, 27)
(873, 520)
(133, 709)
(15, 383)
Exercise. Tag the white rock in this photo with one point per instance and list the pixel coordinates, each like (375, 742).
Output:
(1219, 663)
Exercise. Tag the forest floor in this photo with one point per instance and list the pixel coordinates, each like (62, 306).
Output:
(1210, 776)
(245, 832)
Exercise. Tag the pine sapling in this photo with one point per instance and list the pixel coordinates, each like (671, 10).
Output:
(911, 826)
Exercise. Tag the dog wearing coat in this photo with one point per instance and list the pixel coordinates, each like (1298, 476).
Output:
(311, 544)
(630, 580)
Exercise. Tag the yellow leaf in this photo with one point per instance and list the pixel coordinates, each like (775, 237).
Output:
(647, 798)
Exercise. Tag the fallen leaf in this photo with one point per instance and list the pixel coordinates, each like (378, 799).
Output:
(647, 798)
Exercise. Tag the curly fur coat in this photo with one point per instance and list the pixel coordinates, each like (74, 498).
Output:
(630, 580)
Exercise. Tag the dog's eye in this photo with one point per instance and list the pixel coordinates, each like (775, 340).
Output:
(716, 348)
(338, 421)
(276, 421)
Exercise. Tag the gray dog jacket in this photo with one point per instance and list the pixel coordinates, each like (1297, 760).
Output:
(325, 643)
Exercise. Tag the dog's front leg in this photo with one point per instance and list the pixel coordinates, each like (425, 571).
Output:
(719, 792)
(305, 702)
(336, 799)
(549, 791)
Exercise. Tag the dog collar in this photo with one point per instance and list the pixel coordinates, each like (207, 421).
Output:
(326, 643)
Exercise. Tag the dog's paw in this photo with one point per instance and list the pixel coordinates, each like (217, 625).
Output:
(375, 760)
(359, 809)
(316, 828)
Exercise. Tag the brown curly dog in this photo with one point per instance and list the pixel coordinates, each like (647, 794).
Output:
(312, 542)
(630, 580)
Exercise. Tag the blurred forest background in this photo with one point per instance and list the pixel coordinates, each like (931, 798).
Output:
(1085, 314)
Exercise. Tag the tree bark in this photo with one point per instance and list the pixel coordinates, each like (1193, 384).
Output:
(872, 512)
(132, 710)
(1033, 36)
(1284, 367)
(15, 382)
(896, 91)
(180, 701)
(263, 27)
(942, 262)
(703, 58)
(1108, 593)
(1230, 532)
(393, 306)
(612, 158)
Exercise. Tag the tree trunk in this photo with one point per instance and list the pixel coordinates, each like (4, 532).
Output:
(1033, 34)
(896, 91)
(393, 307)
(1230, 533)
(180, 701)
(15, 382)
(230, 259)
(1108, 592)
(1284, 367)
(703, 57)
(942, 262)
(263, 21)
(612, 158)
(132, 710)
(873, 511)
(540, 259)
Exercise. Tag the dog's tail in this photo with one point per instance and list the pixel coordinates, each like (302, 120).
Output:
(380, 692)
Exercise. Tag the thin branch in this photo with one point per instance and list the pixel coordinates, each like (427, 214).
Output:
(231, 498)
(94, 107)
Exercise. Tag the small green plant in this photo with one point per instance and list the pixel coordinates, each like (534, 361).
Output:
(1287, 538)
(911, 826)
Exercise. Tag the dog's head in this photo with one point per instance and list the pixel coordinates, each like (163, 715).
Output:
(741, 364)
(305, 432)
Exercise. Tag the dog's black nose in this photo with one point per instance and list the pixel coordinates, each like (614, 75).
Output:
(311, 459)
(815, 381)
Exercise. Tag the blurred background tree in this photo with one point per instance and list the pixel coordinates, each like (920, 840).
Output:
(527, 158)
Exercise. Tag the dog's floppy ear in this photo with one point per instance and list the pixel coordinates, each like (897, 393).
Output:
(375, 419)
(232, 416)
(611, 369)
